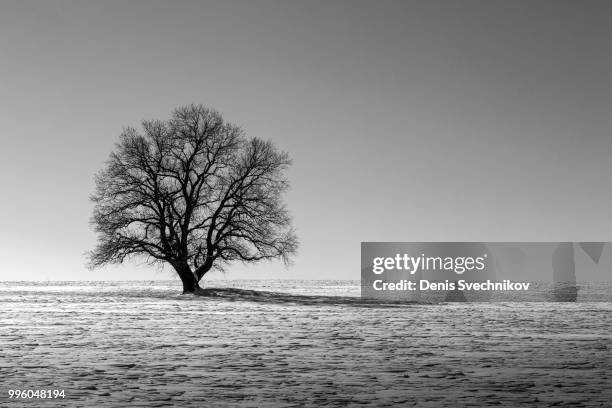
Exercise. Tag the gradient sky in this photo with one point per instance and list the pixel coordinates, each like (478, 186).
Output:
(407, 120)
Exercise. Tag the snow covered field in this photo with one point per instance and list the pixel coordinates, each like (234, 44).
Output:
(123, 344)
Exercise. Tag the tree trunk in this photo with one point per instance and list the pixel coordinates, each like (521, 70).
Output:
(190, 284)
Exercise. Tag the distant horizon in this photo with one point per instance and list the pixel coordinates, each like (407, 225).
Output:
(177, 280)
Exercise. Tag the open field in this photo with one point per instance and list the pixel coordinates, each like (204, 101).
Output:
(142, 344)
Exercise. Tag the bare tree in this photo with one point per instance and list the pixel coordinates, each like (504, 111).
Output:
(193, 192)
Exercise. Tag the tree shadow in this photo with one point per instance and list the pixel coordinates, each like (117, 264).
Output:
(258, 296)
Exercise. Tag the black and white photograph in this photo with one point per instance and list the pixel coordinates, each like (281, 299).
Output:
(306, 203)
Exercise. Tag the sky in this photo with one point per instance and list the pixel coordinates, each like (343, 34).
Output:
(406, 120)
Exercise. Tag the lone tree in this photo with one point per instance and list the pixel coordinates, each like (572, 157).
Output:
(194, 192)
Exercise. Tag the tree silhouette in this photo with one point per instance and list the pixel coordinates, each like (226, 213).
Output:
(194, 192)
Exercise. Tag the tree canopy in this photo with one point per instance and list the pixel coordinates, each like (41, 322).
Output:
(194, 192)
